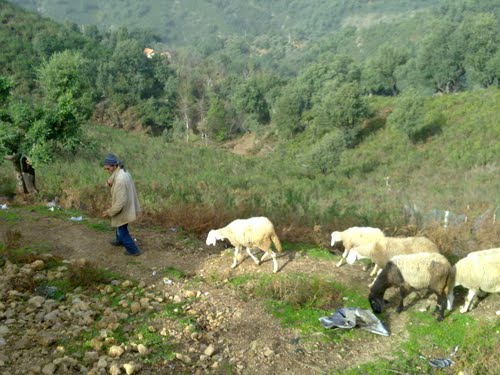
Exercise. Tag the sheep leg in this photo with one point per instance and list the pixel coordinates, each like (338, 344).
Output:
(253, 256)
(375, 270)
(235, 257)
(378, 273)
(451, 298)
(275, 262)
(468, 301)
(344, 256)
(442, 303)
(403, 292)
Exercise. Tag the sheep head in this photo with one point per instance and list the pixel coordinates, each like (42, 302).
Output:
(213, 236)
(336, 237)
(377, 304)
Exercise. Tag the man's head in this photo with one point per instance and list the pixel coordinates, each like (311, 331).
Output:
(111, 162)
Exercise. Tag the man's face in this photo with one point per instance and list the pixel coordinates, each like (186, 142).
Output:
(110, 168)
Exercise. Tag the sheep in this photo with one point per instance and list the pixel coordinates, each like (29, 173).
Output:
(355, 236)
(381, 251)
(410, 272)
(479, 270)
(255, 232)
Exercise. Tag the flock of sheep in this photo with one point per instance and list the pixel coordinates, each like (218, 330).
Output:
(407, 263)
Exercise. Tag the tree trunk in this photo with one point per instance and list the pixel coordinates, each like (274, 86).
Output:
(25, 174)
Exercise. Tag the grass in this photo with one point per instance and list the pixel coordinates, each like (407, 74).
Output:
(197, 188)
(173, 273)
(299, 300)
(476, 347)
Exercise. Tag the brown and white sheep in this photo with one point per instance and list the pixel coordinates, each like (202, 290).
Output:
(410, 272)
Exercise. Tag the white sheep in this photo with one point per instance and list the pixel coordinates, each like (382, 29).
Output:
(255, 232)
(381, 251)
(478, 271)
(355, 236)
(410, 272)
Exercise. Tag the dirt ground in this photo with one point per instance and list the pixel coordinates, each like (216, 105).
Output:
(248, 325)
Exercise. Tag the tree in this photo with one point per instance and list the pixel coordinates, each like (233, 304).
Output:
(379, 75)
(342, 108)
(324, 156)
(249, 98)
(68, 73)
(215, 120)
(441, 58)
(31, 133)
(480, 41)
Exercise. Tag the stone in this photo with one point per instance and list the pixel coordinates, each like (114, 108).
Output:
(49, 369)
(36, 301)
(209, 351)
(135, 307)
(115, 351)
(130, 368)
(114, 369)
(142, 349)
(183, 358)
(45, 338)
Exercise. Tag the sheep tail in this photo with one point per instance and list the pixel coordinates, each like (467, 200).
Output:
(277, 242)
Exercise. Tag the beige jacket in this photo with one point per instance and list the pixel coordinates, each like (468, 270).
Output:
(124, 201)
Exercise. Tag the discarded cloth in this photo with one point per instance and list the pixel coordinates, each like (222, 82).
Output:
(350, 317)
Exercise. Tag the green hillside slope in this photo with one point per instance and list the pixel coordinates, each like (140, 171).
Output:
(183, 23)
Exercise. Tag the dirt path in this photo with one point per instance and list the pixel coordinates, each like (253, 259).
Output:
(252, 338)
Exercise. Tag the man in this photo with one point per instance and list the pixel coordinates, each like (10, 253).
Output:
(124, 204)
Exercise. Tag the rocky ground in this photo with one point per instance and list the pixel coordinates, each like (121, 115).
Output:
(213, 329)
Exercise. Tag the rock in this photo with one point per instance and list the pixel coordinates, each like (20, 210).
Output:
(4, 330)
(135, 307)
(127, 284)
(52, 316)
(189, 294)
(37, 265)
(268, 352)
(114, 369)
(209, 351)
(49, 369)
(130, 368)
(36, 301)
(183, 358)
(142, 349)
(102, 363)
(90, 357)
(115, 351)
(45, 339)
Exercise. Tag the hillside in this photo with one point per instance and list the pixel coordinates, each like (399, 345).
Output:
(187, 23)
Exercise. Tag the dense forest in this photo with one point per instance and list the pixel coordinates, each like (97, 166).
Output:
(315, 81)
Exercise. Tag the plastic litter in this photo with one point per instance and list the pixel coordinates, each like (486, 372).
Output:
(167, 281)
(76, 218)
(441, 362)
(350, 317)
(3, 206)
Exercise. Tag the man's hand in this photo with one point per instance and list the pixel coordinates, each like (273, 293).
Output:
(105, 213)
